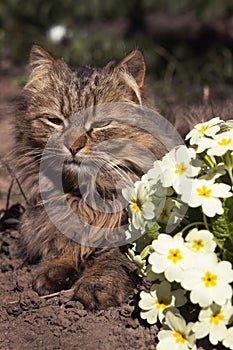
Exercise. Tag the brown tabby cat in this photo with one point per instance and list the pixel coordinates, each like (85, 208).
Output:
(102, 276)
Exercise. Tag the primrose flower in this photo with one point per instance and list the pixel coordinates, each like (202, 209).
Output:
(219, 145)
(177, 335)
(213, 321)
(163, 214)
(200, 241)
(176, 166)
(170, 256)
(209, 128)
(205, 193)
(154, 173)
(228, 339)
(140, 206)
(159, 298)
(208, 281)
(169, 212)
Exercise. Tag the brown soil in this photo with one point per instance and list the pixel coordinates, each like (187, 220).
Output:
(28, 321)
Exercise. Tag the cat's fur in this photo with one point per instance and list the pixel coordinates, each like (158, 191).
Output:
(101, 276)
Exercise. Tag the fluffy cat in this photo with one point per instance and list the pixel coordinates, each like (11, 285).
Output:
(100, 273)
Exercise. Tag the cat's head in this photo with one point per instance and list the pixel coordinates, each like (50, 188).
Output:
(68, 103)
(57, 91)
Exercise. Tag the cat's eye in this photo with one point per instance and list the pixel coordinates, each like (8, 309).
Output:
(100, 124)
(55, 120)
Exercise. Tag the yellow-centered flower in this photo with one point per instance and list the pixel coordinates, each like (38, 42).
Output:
(204, 191)
(136, 205)
(225, 142)
(198, 244)
(202, 128)
(209, 279)
(215, 317)
(174, 255)
(179, 336)
(162, 303)
(180, 168)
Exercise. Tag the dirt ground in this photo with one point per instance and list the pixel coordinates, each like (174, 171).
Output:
(28, 321)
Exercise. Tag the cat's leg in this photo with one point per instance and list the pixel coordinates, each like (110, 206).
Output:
(55, 274)
(43, 242)
(108, 282)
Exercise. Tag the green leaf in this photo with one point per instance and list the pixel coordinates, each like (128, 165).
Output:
(222, 228)
(226, 125)
(153, 230)
(145, 252)
(227, 250)
(229, 123)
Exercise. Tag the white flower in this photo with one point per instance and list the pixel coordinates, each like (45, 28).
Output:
(170, 256)
(169, 212)
(209, 128)
(160, 199)
(154, 174)
(209, 281)
(163, 213)
(159, 298)
(213, 321)
(145, 181)
(205, 193)
(200, 241)
(228, 339)
(140, 206)
(176, 166)
(219, 145)
(204, 144)
(177, 335)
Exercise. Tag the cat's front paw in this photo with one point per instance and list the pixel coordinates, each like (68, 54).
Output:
(54, 276)
(99, 292)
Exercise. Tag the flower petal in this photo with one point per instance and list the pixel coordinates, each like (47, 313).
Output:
(201, 329)
(147, 302)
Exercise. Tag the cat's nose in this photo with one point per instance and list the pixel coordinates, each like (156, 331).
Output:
(74, 150)
(78, 145)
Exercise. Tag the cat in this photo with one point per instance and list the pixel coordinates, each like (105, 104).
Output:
(100, 273)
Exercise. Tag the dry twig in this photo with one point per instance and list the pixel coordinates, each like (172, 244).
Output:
(47, 296)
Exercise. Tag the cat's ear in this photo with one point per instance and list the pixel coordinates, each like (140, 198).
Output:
(134, 63)
(39, 58)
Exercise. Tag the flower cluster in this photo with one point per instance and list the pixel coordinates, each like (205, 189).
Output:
(183, 208)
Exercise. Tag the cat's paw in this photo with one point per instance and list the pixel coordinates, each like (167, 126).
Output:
(99, 292)
(53, 277)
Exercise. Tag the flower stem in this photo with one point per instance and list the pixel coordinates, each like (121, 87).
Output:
(206, 222)
(227, 159)
(191, 225)
(230, 174)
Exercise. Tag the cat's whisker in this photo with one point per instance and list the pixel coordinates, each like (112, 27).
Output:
(29, 164)
(28, 160)
(12, 155)
(124, 165)
(113, 167)
(116, 166)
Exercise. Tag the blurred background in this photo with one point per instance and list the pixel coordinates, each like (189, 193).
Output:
(187, 44)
